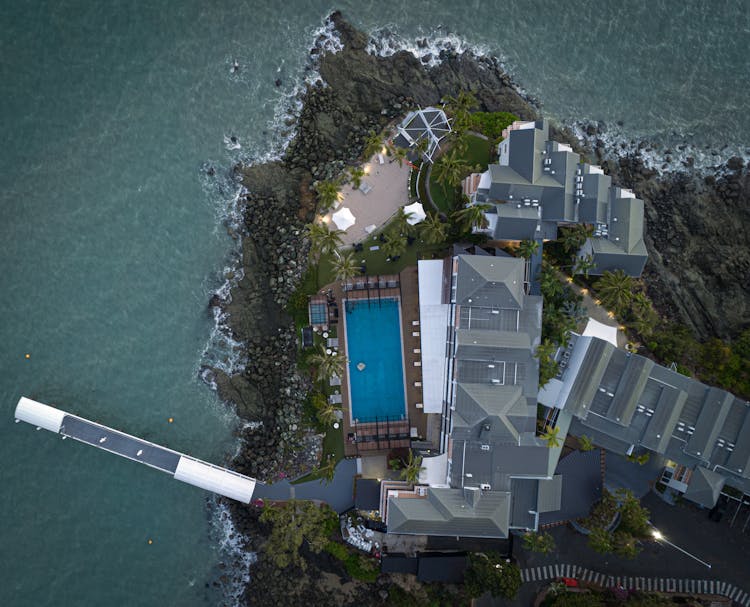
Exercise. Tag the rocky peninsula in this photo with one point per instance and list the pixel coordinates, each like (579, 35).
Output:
(696, 236)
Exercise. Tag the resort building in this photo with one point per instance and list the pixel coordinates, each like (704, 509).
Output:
(626, 403)
(479, 330)
(539, 184)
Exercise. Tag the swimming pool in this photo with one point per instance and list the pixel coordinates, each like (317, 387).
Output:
(373, 339)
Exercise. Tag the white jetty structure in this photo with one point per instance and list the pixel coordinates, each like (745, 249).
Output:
(182, 467)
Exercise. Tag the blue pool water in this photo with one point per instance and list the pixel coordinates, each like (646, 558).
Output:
(373, 337)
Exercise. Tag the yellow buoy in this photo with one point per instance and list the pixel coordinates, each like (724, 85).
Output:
(28, 356)
(150, 541)
(171, 419)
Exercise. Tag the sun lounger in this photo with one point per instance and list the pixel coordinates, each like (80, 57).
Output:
(417, 350)
(417, 384)
(419, 405)
(417, 363)
(414, 323)
(415, 333)
(334, 381)
(335, 399)
(381, 160)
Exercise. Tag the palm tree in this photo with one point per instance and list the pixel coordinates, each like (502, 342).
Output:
(344, 266)
(421, 146)
(472, 216)
(412, 468)
(449, 169)
(323, 240)
(395, 244)
(459, 108)
(572, 238)
(585, 443)
(549, 281)
(328, 193)
(328, 470)
(326, 413)
(615, 290)
(584, 265)
(550, 437)
(399, 154)
(432, 230)
(527, 248)
(644, 318)
(373, 144)
(356, 174)
(327, 365)
(400, 222)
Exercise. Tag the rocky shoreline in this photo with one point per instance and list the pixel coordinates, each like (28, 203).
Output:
(698, 249)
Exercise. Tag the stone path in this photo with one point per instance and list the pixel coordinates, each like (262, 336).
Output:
(653, 584)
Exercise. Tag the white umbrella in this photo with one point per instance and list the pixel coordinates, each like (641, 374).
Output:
(417, 213)
(343, 218)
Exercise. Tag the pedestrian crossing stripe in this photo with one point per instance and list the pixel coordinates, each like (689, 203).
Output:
(690, 585)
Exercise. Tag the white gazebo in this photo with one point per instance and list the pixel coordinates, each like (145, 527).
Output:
(415, 212)
(343, 218)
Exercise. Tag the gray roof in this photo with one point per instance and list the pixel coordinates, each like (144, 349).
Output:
(629, 390)
(452, 512)
(546, 177)
(707, 427)
(739, 460)
(705, 487)
(663, 421)
(595, 361)
(549, 497)
(623, 400)
(501, 411)
(489, 281)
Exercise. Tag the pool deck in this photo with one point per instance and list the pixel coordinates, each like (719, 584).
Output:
(409, 295)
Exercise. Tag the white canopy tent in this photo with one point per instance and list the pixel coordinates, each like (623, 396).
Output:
(416, 213)
(343, 218)
(594, 328)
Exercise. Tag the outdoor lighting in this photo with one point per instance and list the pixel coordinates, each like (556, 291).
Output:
(384, 150)
(367, 169)
(569, 279)
(611, 314)
(586, 292)
(659, 537)
(621, 327)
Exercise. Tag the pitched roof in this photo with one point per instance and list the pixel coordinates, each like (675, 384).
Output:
(448, 512)
(475, 403)
(705, 487)
(490, 281)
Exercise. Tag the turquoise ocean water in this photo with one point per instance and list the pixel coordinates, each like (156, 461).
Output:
(113, 237)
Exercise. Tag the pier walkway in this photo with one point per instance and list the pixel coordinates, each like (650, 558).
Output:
(182, 467)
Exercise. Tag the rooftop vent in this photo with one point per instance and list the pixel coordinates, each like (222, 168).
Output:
(485, 486)
(485, 447)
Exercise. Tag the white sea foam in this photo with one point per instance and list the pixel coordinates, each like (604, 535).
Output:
(662, 153)
(386, 41)
(233, 547)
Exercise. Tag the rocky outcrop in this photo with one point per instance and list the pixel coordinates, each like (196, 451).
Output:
(699, 250)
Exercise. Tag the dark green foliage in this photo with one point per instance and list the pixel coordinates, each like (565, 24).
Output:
(574, 599)
(634, 517)
(292, 523)
(489, 572)
(601, 540)
(562, 306)
(548, 367)
(539, 542)
(585, 443)
(358, 566)
(491, 124)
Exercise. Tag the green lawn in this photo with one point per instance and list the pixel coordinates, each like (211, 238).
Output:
(477, 153)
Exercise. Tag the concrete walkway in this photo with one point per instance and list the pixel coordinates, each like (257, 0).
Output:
(649, 584)
(599, 313)
(339, 494)
(389, 190)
